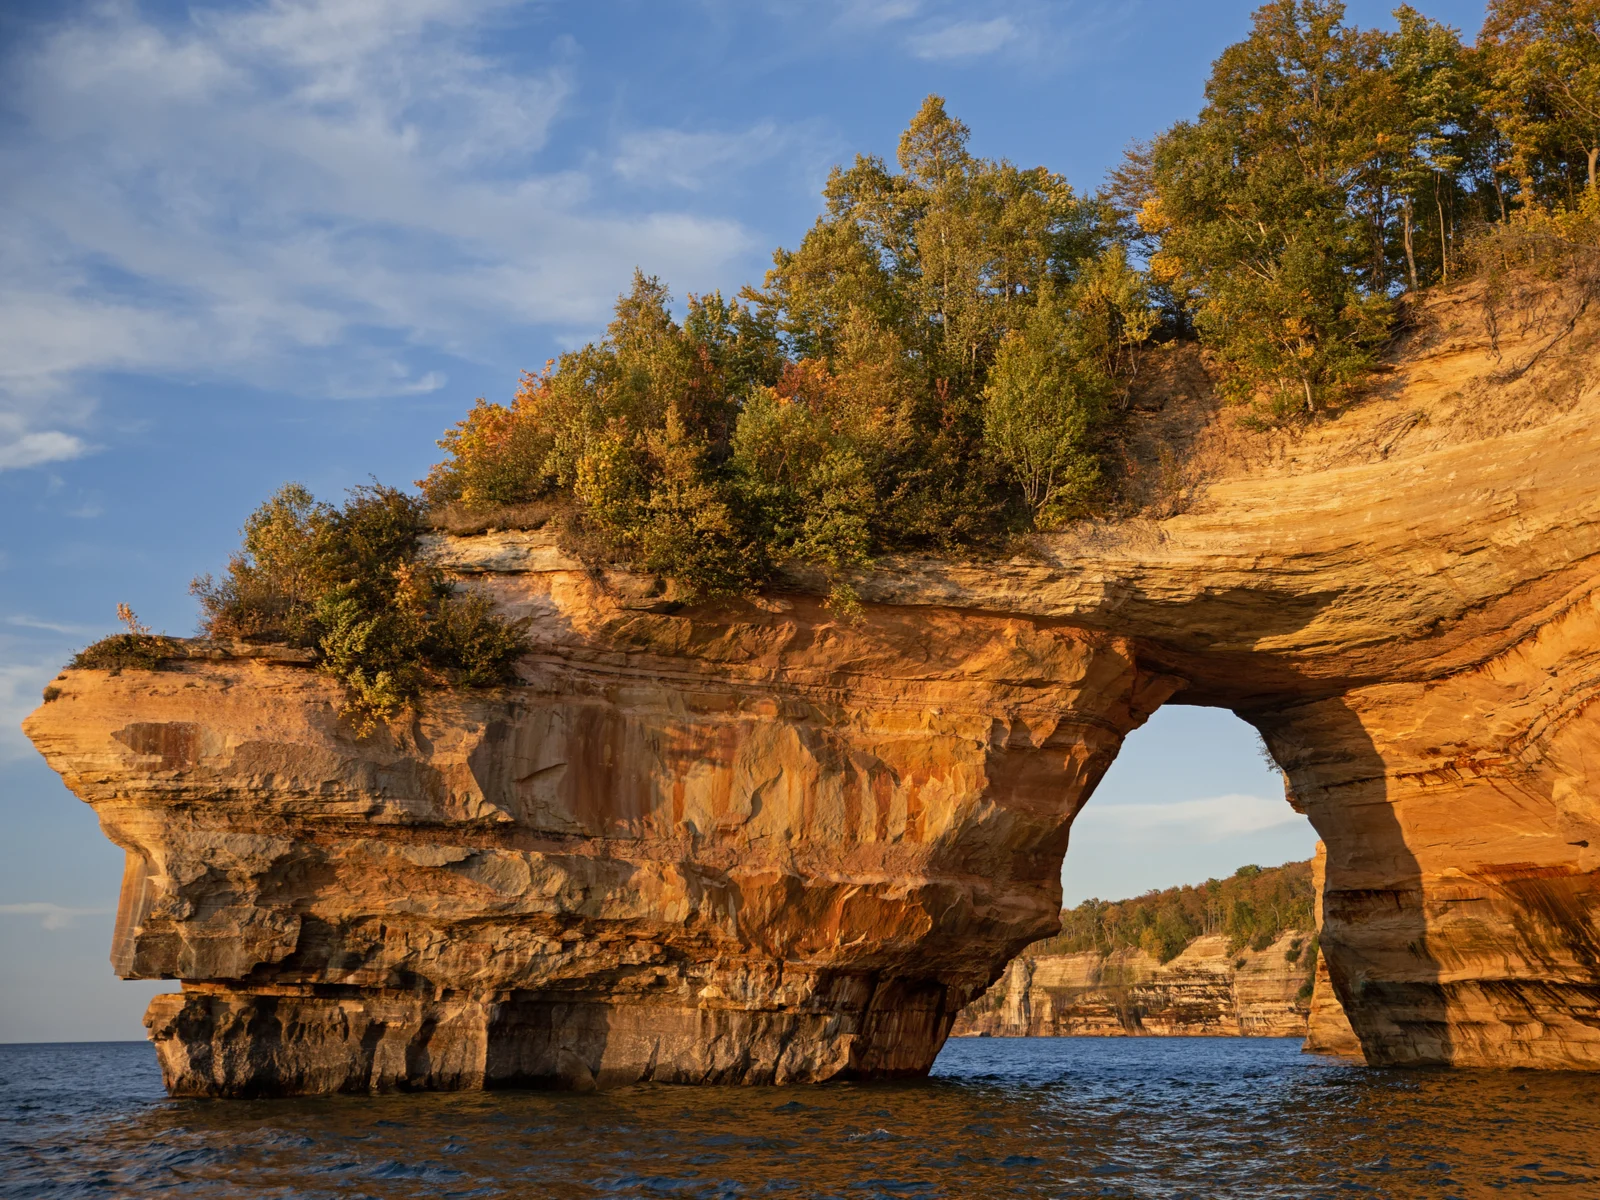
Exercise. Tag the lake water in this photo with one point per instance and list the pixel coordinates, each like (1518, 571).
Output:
(1060, 1117)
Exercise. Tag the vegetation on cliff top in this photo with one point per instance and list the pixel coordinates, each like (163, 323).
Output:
(347, 582)
(931, 368)
(1253, 907)
(941, 361)
(136, 648)
(945, 359)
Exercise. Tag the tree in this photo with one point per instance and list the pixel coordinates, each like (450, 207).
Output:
(1437, 98)
(1271, 209)
(903, 294)
(1043, 403)
(1545, 60)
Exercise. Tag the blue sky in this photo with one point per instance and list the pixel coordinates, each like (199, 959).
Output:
(247, 243)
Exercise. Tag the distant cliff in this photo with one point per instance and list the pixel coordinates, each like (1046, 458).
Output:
(1205, 991)
(1226, 958)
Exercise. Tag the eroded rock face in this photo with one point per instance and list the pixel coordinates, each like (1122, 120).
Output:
(739, 846)
(750, 842)
(1328, 1029)
(1206, 991)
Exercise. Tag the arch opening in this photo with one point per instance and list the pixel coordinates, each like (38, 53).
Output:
(1188, 903)
(1192, 795)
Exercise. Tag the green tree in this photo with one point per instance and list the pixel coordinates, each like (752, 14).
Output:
(906, 290)
(1544, 56)
(1270, 209)
(1043, 404)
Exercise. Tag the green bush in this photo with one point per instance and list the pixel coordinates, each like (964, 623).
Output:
(347, 583)
(127, 651)
(134, 649)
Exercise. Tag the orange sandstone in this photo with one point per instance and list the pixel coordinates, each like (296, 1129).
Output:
(752, 842)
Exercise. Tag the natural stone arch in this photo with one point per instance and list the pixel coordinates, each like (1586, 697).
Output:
(753, 842)
(1212, 984)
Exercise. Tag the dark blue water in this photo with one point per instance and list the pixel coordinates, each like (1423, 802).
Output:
(1206, 1118)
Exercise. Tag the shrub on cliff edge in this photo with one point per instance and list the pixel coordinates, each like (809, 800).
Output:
(348, 583)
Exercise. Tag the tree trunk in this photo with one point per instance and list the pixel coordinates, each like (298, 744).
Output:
(1444, 241)
(1594, 153)
(1411, 257)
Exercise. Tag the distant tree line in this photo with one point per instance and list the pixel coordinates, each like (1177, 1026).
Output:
(1253, 908)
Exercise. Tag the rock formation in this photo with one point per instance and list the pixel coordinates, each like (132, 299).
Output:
(753, 842)
(1328, 1030)
(1206, 991)
(747, 844)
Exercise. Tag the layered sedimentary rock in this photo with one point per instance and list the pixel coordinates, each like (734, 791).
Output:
(750, 844)
(753, 841)
(1328, 1030)
(1206, 991)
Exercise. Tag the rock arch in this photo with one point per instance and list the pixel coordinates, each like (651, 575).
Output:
(752, 842)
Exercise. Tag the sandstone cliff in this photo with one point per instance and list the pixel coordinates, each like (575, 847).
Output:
(748, 844)
(752, 842)
(1328, 1029)
(1206, 991)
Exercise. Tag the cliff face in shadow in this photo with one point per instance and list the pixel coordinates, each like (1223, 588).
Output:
(752, 842)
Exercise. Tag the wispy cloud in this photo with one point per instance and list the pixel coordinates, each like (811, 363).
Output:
(692, 159)
(20, 685)
(20, 447)
(873, 13)
(26, 622)
(964, 39)
(53, 916)
(297, 194)
(1209, 820)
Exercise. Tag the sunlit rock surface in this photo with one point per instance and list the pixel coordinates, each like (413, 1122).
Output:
(750, 845)
(1328, 1030)
(751, 842)
(1208, 990)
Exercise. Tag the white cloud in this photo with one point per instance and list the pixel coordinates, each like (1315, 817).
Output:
(964, 39)
(55, 916)
(298, 194)
(691, 160)
(1209, 820)
(871, 13)
(43, 446)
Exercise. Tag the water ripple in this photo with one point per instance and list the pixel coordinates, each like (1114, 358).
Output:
(1187, 1119)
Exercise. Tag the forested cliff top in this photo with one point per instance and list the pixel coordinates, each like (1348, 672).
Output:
(962, 352)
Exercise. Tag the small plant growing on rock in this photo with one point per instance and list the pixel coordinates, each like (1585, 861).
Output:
(136, 648)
